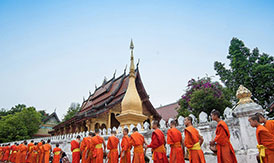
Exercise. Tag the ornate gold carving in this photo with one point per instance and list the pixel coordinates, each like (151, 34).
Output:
(244, 95)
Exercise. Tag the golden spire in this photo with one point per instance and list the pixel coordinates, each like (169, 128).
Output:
(131, 106)
(244, 95)
(132, 67)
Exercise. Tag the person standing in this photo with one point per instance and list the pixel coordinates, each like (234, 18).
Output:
(47, 151)
(193, 141)
(137, 141)
(98, 142)
(112, 146)
(265, 140)
(75, 149)
(175, 140)
(6, 153)
(84, 148)
(23, 150)
(157, 144)
(268, 124)
(125, 156)
(29, 152)
(56, 154)
(225, 151)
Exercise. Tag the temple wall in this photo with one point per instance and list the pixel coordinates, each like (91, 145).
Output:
(243, 137)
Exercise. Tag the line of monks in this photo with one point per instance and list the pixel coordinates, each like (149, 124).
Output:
(30, 153)
(92, 149)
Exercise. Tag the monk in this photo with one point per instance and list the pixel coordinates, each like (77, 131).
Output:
(193, 141)
(157, 144)
(57, 154)
(75, 149)
(47, 151)
(18, 154)
(1, 152)
(265, 140)
(23, 154)
(40, 154)
(137, 140)
(175, 140)
(84, 147)
(126, 147)
(112, 146)
(98, 142)
(13, 152)
(29, 154)
(7, 152)
(225, 151)
(268, 124)
(34, 153)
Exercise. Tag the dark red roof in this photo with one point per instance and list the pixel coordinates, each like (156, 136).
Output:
(107, 95)
(168, 111)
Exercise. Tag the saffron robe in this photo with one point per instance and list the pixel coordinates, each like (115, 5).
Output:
(56, 155)
(1, 153)
(98, 154)
(23, 154)
(7, 153)
(76, 153)
(174, 139)
(126, 147)
(112, 145)
(34, 154)
(47, 149)
(18, 154)
(158, 147)
(84, 147)
(225, 151)
(39, 151)
(269, 124)
(29, 154)
(14, 149)
(137, 140)
(265, 138)
(191, 138)
(41, 154)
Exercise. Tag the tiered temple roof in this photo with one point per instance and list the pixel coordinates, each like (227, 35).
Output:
(110, 93)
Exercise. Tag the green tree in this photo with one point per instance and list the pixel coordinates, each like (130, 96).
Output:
(203, 95)
(253, 70)
(72, 111)
(20, 125)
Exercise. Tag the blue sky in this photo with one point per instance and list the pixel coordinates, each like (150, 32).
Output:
(53, 53)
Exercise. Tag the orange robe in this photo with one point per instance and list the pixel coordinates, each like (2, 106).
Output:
(225, 151)
(14, 149)
(191, 138)
(158, 147)
(30, 145)
(18, 154)
(265, 138)
(56, 155)
(137, 140)
(269, 124)
(41, 154)
(23, 154)
(98, 153)
(112, 145)
(85, 147)
(34, 156)
(174, 138)
(75, 149)
(47, 149)
(1, 153)
(7, 153)
(126, 147)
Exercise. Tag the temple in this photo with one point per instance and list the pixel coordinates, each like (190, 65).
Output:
(120, 101)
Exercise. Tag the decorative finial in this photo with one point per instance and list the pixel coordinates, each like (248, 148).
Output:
(137, 65)
(132, 67)
(95, 86)
(114, 73)
(131, 45)
(84, 99)
(125, 70)
(89, 93)
(244, 95)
